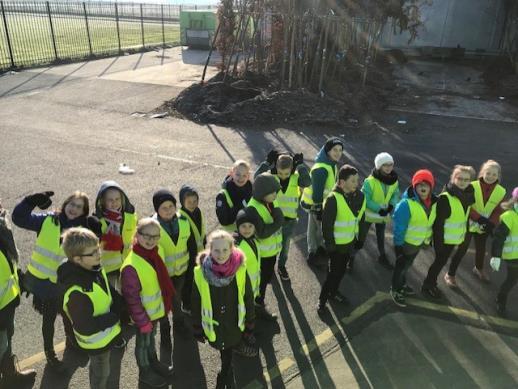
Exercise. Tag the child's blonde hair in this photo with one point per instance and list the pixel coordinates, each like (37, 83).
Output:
(462, 169)
(240, 163)
(284, 161)
(219, 234)
(76, 240)
(488, 165)
(146, 222)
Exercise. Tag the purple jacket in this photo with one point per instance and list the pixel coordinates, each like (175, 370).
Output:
(131, 292)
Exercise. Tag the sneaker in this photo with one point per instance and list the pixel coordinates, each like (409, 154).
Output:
(339, 298)
(383, 261)
(481, 274)
(54, 363)
(263, 313)
(120, 342)
(432, 292)
(246, 350)
(450, 281)
(398, 297)
(321, 308)
(283, 273)
(162, 369)
(408, 291)
(500, 308)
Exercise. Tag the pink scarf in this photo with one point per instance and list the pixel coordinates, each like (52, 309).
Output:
(230, 267)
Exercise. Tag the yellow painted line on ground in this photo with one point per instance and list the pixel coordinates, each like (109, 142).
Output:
(34, 359)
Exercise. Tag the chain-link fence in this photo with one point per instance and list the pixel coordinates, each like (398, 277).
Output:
(41, 32)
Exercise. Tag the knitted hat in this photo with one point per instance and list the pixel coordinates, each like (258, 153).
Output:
(346, 171)
(381, 159)
(423, 175)
(244, 216)
(515, 193)
(162, 196)
(187, 190)
(264, 184)
(332, 142)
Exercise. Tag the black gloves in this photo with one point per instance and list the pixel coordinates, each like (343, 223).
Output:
(483, 221)
(41, 200)
(383, 212)
(94, 225)
(272, 156)
(298, 159)
(21, 283)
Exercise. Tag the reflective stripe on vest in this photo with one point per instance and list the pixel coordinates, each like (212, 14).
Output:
(455, 226)
(346, 224)
(199, 236)
(176, 256)
(420, 224)
(229, 227)
(253, 264)
(332, 173)
(379, 197)
(150, 293)
(101, 302)
(112, 260)
(486, 209)
(47, 254)
(9, 284)
(289, 201)
(207, 318)
(510, 250)
(271, 246)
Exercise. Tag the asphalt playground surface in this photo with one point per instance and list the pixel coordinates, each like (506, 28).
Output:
(69, 127)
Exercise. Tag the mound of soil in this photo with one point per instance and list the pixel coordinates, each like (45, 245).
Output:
(256, 99)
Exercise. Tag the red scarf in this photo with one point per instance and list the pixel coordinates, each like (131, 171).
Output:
(166, 286)
(112, 238)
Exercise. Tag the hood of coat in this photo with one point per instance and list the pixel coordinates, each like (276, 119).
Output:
(126, 204)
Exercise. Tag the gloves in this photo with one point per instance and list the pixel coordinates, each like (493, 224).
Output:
(383, 212)
(41, 200)
(488, 228)
(298, 159)
(495, 263)
(94, 225)
(21, 283)
(272, 156)
(146, 328)
(358, 245)
(483, 220)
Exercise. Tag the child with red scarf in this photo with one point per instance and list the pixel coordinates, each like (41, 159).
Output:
(149, 293)
(118, 222)
(223, 303)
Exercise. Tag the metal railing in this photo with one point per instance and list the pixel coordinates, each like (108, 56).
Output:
(36, 33)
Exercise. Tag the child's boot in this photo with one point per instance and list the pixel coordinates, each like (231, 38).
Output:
(148, 377)
(12, 376)
(54, 363)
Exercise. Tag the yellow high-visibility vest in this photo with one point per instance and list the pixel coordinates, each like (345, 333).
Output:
(379, 197)
(271, 246)
(199, 235)
(486, 209)
(9, 283)
(510, 251)
(420, 224)
(455, 226)
(289, 201)
(176, 256)
(332, 174)
(112, 260)
(346, 225)
(253, 264)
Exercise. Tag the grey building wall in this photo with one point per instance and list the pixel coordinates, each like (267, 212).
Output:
(471, 24)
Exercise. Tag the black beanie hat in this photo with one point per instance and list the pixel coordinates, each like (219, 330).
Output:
(161, 196)
(332, 142)
(347, 171)
(244, 216)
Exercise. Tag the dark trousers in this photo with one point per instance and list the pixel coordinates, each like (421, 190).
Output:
(510, 281)
(226, 364)
(267, 270)
(480, 252)
(335, 273)
(187, 285)
(6, 332)
(403, 263)
(380, 235)
(441, 257)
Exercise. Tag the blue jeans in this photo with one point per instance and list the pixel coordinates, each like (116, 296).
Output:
(99, 370)
(287, 233)
(314, 235)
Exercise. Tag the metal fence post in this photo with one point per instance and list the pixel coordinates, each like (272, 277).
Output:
(52, 31)
(163, 31)
(142, 26)
(87, 29)
(9, 47)
(117, 25)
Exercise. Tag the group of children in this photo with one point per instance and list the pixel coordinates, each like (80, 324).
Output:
(121, 270)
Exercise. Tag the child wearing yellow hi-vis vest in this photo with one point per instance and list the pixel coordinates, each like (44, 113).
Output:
(119, 221)
(450, 226)
(89, 303)
(293, 176)
(245, 240)
(223, 303)
(413, 220)
(268, 222)
(505, 246)
(179, 246)
(10, 291)
(189, 200)
(342, 218)
(381, 190)
(483, 217)
(149, 293)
